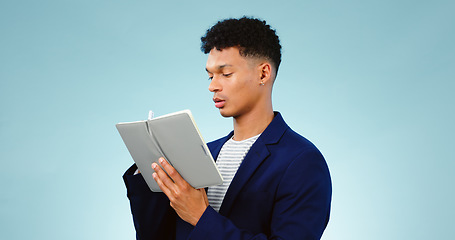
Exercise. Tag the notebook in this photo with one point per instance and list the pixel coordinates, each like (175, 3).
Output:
(175, 137)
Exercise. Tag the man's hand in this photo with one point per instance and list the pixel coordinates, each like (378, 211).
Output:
(188, 202)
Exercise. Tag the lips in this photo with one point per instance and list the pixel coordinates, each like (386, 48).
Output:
(219, 103)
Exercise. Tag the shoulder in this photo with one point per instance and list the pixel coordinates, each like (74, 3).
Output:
(304, 161)
(296, 157)
(294, 139)
(293, 145)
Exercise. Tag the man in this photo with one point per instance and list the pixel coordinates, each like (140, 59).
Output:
(276, 183)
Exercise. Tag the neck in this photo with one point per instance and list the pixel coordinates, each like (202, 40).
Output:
(253, 123)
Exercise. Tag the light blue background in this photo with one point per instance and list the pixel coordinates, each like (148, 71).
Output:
(371, 83)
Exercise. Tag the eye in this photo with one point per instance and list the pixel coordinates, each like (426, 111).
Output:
(227, 74)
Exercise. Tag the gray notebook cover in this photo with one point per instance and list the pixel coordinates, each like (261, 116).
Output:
(175, 137)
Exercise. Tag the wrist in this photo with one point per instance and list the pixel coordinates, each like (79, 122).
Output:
(197, 218)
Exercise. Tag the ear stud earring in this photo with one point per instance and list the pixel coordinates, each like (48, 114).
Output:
(262, 83)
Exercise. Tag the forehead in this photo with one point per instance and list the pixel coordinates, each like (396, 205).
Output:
(226, 57)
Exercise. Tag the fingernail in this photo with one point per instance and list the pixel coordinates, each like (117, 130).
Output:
(153, 165)
(161, 160)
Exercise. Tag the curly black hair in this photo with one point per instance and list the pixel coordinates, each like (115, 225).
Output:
(253, 37)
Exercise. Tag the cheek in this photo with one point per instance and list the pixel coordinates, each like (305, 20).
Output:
(245, 96)
(246, 83)
(241, 88)
(242, 92)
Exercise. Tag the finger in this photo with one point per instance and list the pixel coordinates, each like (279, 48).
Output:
(160, 183)
(172, 172)
(162, 175)
(162, 179)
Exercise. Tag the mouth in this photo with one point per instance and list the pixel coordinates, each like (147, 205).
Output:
(219, 103)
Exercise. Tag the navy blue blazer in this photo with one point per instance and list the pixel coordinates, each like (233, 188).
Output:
(282, 190)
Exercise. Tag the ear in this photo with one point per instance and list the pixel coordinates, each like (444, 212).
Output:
(265, 71)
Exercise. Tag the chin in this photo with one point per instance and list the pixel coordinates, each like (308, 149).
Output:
(225, 113)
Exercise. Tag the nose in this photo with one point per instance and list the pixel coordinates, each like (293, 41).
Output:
(214, 85)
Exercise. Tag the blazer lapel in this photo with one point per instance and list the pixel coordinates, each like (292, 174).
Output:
(257, 154)
(253, 159)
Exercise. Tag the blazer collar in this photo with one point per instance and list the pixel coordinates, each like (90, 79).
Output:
(257, 153)
(271, 135)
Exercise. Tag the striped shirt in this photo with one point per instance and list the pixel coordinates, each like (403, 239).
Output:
(231, 156)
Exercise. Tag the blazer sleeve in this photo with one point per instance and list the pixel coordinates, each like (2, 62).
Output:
(301, 206)
(152, 215)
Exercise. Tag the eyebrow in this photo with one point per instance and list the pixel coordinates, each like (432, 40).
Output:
(220, 67)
